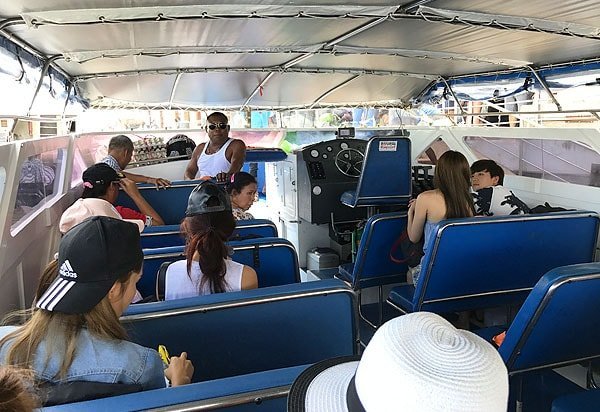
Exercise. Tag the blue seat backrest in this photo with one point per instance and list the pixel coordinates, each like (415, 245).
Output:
(229, 391)
(500, 254)
(558, 323)
(254, 228)
(583, 401)
(386, 173)
(373, 262)
(274, 260)
(169, 235)
(229, 334)
(169, 203)
(161, 236)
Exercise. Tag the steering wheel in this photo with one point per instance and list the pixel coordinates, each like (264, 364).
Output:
(349, 162)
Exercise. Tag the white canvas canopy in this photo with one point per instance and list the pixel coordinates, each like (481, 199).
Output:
(270, 54)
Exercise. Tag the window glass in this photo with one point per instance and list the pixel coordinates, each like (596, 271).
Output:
(433, 152)
(39, 182)
(558, 160)
(2, 181)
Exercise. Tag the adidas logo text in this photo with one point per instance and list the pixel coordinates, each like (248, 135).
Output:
(67, 271)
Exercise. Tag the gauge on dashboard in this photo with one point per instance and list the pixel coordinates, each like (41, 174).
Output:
(344, 146)
(314, 153)
(325, 156)
(329, 148)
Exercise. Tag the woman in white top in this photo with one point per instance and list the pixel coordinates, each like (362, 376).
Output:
(207, 269)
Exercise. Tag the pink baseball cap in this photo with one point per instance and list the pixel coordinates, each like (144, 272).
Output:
(85, 208)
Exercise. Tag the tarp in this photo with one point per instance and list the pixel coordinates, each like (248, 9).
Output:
(273, 54)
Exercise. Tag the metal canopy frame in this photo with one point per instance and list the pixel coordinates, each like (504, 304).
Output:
(350, 45)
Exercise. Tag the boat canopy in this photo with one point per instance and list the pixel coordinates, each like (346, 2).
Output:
(303, 54)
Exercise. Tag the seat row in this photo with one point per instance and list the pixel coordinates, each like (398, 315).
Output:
(472, 263)
(247, 347)
(245, 361)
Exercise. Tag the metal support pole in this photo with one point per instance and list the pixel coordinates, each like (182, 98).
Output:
(69, 90)
(462, 112)
(546, 87)
(45, 68)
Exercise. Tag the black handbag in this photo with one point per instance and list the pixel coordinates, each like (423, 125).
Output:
(411, 252)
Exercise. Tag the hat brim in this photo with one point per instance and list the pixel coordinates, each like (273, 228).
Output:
(323, 386)
(67, 296)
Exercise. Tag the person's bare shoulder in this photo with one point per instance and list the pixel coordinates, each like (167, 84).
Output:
(237, 144)
(428, 196)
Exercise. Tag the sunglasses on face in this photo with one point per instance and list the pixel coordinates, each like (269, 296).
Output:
(213, 126)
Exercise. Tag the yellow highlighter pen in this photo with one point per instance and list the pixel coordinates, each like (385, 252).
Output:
(164, 354)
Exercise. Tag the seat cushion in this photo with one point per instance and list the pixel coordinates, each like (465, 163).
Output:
(585, 401)
(348, 198)
(402, 296)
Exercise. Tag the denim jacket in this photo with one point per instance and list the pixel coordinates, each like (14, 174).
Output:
(99, 360)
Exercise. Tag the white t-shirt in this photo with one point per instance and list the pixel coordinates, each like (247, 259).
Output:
(498, 201)
(179, 285)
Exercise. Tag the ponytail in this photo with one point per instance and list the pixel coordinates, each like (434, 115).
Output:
(206, 235)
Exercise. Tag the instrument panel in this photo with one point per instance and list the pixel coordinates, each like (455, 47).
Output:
(325, 171)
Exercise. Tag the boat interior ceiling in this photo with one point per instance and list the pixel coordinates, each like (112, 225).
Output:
(281, 54)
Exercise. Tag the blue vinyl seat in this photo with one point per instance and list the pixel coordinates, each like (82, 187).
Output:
(274, 259)
(247, 347)
(169, 203)
(484, 262)
(373, 265)
(585, 401)
(556, 326)
(261, 391)
(235, 333)
(386, 173)
(169, 235)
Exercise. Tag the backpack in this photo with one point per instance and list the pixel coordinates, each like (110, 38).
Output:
(546, 208)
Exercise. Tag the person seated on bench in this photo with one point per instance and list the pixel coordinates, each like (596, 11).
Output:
(490, 197)
(242, 189)
(120, 151)
(415, 362)
(102, 181)
(74, 334)
(85, 208)
(207, 269)
(450, 199)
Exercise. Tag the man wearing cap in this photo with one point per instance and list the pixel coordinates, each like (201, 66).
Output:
(120, 151)
(220, 156)
(102, 181)
(74, 335)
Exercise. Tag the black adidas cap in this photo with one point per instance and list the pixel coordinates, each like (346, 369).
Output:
(91, 257)
(207, 197)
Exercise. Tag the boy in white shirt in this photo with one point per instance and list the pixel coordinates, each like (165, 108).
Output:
(490, 197)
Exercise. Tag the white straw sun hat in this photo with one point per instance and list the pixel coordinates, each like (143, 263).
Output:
(416, 362)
